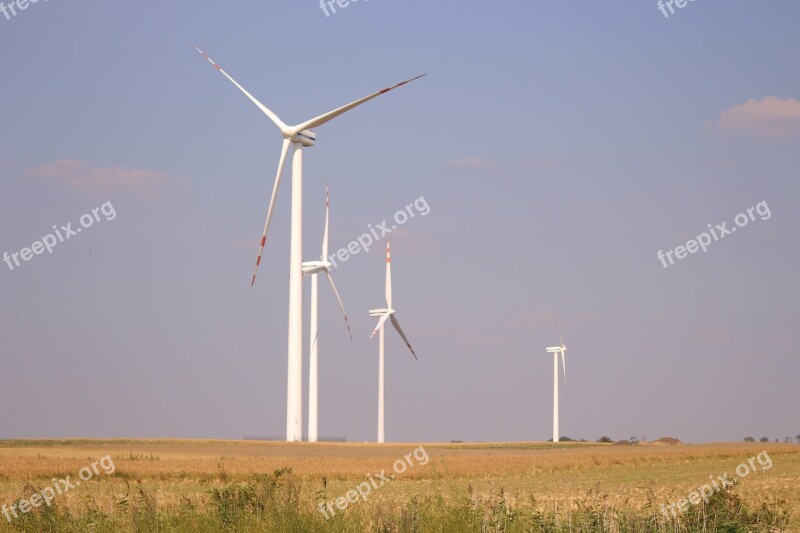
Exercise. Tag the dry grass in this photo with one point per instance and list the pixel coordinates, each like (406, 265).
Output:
(173, 471)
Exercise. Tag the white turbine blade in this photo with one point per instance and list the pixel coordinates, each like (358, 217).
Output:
(267, 111)
(327, 217)
(341, 304)
(563, 348)
(275, 188)
(388, 275)
(330, 115)
(315, 341)
(558, 323)
(383, 319)
(396, 325)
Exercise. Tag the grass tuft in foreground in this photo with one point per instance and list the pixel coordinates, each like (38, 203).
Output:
(277, 502)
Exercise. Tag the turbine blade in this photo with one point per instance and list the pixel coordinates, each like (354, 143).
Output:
(315, 342)
(383, 319)
(396, 325)
(561, 340)
(388, 275)
(327, 218)
(275, 188)
(341, 304)
(330, 115)
(267, 111)
(558, 323)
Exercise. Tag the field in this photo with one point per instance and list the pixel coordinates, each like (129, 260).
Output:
(170, 485)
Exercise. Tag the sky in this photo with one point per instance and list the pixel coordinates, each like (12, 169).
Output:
(556, 148)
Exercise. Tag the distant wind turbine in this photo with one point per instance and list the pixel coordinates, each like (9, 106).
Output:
(386, 314)
(313, 268)
(556, 350)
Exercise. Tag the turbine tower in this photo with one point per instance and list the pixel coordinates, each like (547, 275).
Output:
(313, 268)
(384, 315)
(298, 136)
(556, 350)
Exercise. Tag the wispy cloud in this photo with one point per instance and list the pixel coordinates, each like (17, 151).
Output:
(468, 162)
(73, 174)
(539, 162)
(537, 319)
(549, 320)
(413, 241)
(770, 117)
(715, 337)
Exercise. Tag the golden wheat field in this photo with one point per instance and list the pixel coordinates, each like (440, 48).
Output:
(174, 472)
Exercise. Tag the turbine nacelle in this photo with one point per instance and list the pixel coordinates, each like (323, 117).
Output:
(556, 349)
(381, 312)
(305, 137)
(313, 267)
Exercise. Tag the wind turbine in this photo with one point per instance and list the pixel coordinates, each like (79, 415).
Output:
(313, 268)
(555, 350)
(384, 315)
(300, 136)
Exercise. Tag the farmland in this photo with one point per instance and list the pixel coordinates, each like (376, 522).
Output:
(171, 485)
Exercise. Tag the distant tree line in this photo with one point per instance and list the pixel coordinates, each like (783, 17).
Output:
(787, 440)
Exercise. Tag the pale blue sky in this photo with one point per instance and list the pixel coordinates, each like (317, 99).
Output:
(559, 146)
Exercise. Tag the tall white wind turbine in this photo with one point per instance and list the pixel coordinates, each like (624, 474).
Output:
(386, 314)
(300, 136)
(556, 350)
(313, 268)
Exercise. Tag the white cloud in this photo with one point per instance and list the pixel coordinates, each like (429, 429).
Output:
(73, 174)
(771, 117)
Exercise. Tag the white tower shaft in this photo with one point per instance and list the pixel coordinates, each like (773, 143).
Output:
(313, 370)
(381, 395)
(294, 389)
(555, 396)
